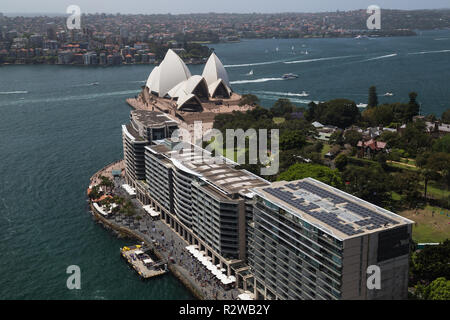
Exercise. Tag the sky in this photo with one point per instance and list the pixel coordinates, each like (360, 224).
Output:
(202, 6)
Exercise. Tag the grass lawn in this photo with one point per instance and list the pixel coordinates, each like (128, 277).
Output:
(429, 227)
(325, 149)
(437, 191)
(402, 166)
(278, 120)
(396, 196)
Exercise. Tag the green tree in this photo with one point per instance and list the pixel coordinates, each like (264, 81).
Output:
(319, 172)
(341, 162)
(413, 106)
(249, 99)
(282, 107)
(431, 263)
(370, 183)
(446, 116)
(352, 137)
(292, 140)
(95, 193)
(339, 112)
(442, 144)
(373, 98)
(414, 138)
(406, 184)
(106, 182)
(439, 289)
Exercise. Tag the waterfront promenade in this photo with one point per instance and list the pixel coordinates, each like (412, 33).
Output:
(166, 244)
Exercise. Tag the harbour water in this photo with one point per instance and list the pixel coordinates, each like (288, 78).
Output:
(58, 127)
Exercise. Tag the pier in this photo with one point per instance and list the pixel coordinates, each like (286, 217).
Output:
(140, 261)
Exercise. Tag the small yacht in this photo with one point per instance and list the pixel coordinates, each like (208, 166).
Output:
(388, 94)
(304, 94)
(288, 76)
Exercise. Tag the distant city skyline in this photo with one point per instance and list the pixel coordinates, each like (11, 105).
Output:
(205, 6)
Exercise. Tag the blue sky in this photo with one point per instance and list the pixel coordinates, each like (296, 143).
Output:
(200, 6)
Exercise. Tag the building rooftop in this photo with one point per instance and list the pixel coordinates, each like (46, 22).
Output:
(152, 118)
(333, 211)
(217, 172)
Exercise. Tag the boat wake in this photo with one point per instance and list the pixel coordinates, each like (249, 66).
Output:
(71, 98)
(253, 64)
(427, 52)
(256, 80)
(270, 95)
(382, 57)
(288, 94)
(318, 59)
(14, 92)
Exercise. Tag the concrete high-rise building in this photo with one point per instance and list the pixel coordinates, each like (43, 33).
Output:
(210, 201)
(144, 127)
(312, 241)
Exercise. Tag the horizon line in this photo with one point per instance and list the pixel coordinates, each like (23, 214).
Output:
(34, 14)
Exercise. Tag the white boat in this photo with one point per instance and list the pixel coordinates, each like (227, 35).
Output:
(388, 94)
(362, 105)
(277, 49)
(304, 94)
(306, 51)
(250, 73)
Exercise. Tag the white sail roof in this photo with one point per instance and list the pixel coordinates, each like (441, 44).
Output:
(170, 72)
(186, 98)
(153, 78)
(213, 87)
(215, 70)
(186, 87)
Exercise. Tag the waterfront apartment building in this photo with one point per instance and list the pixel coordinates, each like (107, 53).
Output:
(312, 241)
(143, 128)
(283, 240)
(209, 201)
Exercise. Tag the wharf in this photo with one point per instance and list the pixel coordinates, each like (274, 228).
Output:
(142, 263)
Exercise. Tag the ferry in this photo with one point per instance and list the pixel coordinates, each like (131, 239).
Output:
(288, 76)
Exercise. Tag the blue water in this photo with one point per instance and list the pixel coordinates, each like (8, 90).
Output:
(344, 68)
(56, 130)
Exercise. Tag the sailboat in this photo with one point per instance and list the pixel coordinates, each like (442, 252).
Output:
(306, 52)
(250, 73)
(277, 49)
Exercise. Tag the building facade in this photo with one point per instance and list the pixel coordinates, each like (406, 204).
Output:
(143, 128)
(311, 241)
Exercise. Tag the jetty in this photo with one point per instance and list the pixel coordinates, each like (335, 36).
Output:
(140, 261)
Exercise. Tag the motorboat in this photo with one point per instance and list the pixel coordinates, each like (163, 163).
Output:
(289, 76)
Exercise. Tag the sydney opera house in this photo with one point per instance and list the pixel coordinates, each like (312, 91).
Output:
(171, 88)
